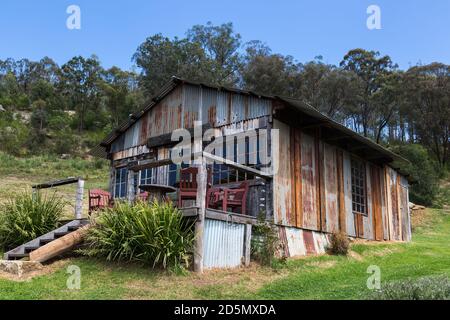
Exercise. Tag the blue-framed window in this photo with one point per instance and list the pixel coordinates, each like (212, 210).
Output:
(148, 176)
(169, 175)
(121, 183)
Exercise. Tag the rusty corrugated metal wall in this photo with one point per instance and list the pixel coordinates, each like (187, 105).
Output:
(313, 191)
(180, 109)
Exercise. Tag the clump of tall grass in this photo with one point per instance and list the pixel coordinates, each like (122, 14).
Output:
(154, 234)
(27, 216)
(426, 288)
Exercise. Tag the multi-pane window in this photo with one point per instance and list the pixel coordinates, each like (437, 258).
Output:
(121, 183)
(168, 175)
(359, 200)
(148, 176)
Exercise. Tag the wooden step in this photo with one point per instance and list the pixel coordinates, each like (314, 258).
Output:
(45, 241)
(60, 234)
(17, 256)
(29, 249)
(73, 228)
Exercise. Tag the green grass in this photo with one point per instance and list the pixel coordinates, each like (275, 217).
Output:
(19, 174)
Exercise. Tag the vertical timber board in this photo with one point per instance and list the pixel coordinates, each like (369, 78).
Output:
(350, 218)
(388, 203)
(200, 223)
(331, 193)
(298, 178)
(293, 216)
(282, 180)
(406, 221)
(341, 190)
(320, 185)
(309, 183)
(394, 204)
(247, 244)
(399, 204)
(384, 217)
(368, 218)
(376, 204)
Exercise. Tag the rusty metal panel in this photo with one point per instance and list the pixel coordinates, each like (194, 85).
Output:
(320, 241)
(222, 109)
(295, 242)
(309, 182)
(282, 179)
(209, 106)
(166, 115)
(191, 105)
(309, 241)
(350, 220)
(238, 108)
(258, 107)
(331, 189)
(223, 244)
(118, 144)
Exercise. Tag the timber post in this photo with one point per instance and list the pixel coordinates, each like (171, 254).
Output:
(79, 199)
(200, 223)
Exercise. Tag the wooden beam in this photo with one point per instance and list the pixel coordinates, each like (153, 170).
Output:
(56, 183)
(189, 211)
(247, 244)
(59, 246)
(147, 164)
(200, 223)
(230, 217)
(79, 199)
(236, 165)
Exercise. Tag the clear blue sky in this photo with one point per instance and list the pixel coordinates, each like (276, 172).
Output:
(412, 30)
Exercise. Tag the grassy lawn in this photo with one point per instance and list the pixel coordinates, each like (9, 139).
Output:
(320, 277)
(18, 175)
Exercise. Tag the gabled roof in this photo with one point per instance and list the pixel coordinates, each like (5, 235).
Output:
(295, 104)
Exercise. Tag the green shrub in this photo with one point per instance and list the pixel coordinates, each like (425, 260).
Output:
(421, 169)
(339, 244)
(28, 216)
(266, 247)
(155, 234)
(426, 288)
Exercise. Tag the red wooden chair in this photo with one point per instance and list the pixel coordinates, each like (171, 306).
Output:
(188, 184)
(99, 199)
(230, 198)
(143, 196)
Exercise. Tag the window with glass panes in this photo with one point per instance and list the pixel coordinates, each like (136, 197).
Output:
(121, 183)
(358, 176)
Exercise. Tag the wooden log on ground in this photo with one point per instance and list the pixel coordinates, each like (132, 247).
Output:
(59, 246)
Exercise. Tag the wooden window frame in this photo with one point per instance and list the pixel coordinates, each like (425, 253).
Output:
(362, 204)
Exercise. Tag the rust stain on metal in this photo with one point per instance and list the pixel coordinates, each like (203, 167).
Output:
(298, 178)
(309, 182)
(308, 238)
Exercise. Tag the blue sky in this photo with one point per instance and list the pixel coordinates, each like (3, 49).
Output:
(412, 31)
